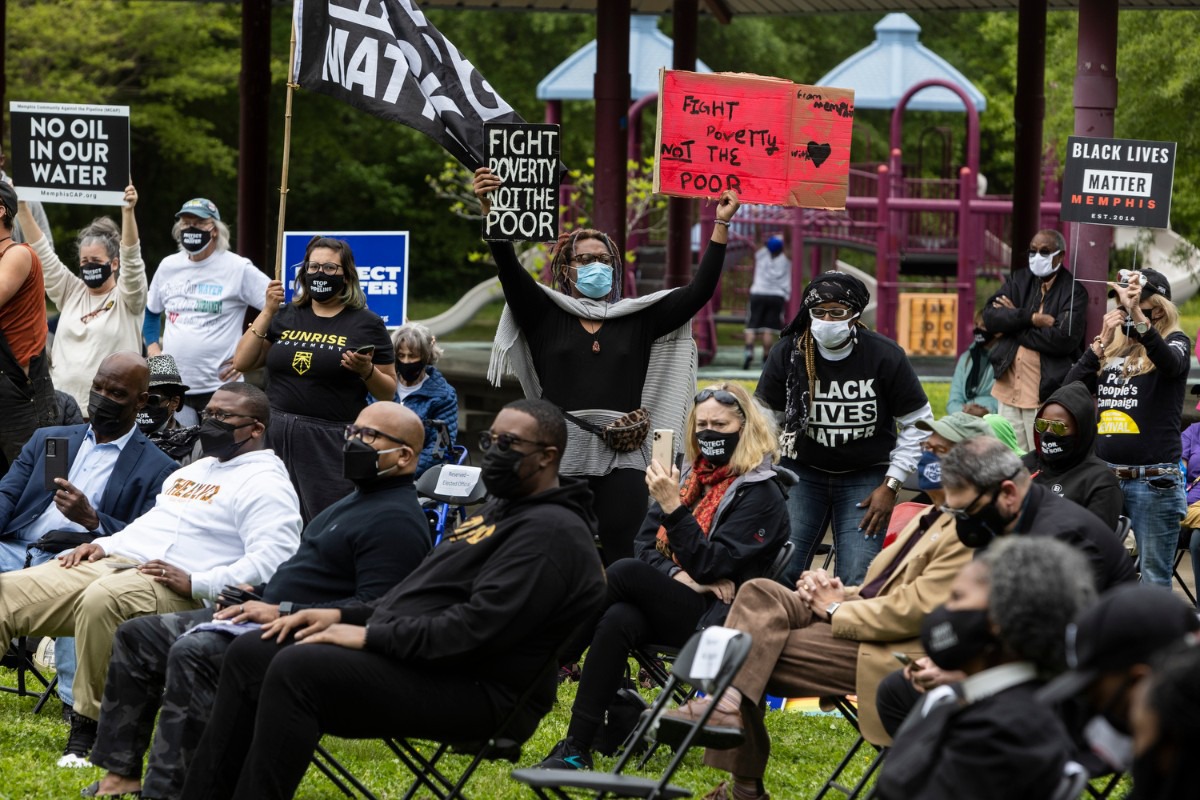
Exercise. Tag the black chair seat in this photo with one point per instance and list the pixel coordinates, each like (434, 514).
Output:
(606, 782)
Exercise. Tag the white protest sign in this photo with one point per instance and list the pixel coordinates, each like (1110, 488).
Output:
(70, 153)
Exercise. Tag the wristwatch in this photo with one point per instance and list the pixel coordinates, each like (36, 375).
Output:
(832, 608)
(894, 484)
(1141, 327)
(286, 607)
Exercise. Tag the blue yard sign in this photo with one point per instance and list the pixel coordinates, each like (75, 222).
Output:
(382, 261)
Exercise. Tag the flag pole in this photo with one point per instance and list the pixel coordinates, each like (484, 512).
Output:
(287, 152)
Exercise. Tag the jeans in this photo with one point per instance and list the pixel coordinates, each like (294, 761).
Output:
(1155, 506)
(823, 497)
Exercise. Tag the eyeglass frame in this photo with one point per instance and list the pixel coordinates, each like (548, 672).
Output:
(1041, 425)
(361, 432)
(962, 514)
(221, 416)
(821, 313)
(505, 441)
(313, 267)
(595, 258)
(939, 450)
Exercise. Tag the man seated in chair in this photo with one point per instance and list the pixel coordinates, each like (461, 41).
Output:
(824, 638)
(353, 551)
(229, 518)
(447, 654)
(113, 473)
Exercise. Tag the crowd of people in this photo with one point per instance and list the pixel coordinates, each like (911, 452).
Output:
(210, 556)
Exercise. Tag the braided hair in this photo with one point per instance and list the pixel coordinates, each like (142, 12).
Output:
(564, 251)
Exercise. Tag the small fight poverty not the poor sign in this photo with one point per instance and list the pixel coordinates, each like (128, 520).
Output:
(70, 153)
(525, 158)
(1118, 182)
(771, 140)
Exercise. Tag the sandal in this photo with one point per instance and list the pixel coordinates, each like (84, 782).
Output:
(723, 791)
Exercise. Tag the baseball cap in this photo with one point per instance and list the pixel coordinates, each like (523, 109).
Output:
(1128, 625)
(199, 207)
(775, 244)
(8, 196)
(165, 372)
(957, 426)
(1153, 282)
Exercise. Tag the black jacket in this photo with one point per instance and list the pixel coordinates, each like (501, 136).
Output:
(1059, 345)
(1046, 514)
(1080, 476)
(497, 599)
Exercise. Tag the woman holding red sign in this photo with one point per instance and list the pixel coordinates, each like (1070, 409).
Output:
(617, 367)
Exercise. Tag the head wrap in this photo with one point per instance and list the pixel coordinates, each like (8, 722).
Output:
(829, 287)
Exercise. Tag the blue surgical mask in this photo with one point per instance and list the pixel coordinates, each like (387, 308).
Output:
(594, 281)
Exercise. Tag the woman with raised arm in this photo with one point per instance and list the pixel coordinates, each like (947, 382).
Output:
(599, 358)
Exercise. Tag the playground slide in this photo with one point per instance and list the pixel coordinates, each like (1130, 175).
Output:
(467, 306)
(868, 315)
(1169, 253)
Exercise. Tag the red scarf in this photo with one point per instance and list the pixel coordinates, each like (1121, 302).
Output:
(703, 504)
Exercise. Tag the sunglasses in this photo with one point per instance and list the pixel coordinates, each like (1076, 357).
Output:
(1055, 426)
(369, 435)
(832, 313)
(583, 259)
(157, 399)
(1044, 252)
(504, 441)
(721, 396)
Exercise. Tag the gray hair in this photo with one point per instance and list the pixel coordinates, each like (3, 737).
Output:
(222, 236)
(1060, 244)
(419, 340)
(102, 231)
(1039, 585)
(983, 462)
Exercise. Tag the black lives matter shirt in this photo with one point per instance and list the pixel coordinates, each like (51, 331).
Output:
(304, 361)
(853, 421)
(1140, 415)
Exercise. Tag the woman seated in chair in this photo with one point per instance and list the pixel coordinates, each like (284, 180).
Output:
(720, 523)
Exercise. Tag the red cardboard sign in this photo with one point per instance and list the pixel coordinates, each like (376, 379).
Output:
(774, 141)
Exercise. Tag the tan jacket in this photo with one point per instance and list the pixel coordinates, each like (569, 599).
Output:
(891, 621)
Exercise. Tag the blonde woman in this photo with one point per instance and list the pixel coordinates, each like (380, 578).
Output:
(1137, 368)
(708, 530)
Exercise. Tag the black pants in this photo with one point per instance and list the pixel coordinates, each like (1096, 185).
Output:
(621, 500)
(311, 449)
(895, 697)
(274, 703)
(644, 607)
(26, 404)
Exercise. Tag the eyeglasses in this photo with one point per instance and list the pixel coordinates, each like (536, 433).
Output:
(721, 396)
(221, 416)
(1044, 252)
(504, 441)
(583, 259)
(832, 313)
(936, 449)
(1055, 426)
(313, 267)
(964, 513)
(369, 435)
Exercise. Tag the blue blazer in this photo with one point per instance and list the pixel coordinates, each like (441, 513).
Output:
(132, 487)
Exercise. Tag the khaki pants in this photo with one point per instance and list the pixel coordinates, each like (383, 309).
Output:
(791, 655)
(1022, 422)
(88, 602)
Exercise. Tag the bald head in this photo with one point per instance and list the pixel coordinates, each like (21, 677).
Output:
(130, 367)
(119, 390)
(399, 423)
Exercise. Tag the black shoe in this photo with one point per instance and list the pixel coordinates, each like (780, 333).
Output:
(746, 363)
(566, 755)
(79, 742)
(66, 713)
(568, 673)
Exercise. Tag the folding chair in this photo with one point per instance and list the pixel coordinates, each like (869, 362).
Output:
(708, 661)
(21, 659)
(1182, 549)
(850, 713)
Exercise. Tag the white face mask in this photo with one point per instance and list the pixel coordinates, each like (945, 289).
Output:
(1043, 266)
(831, 335)
(1113, 747)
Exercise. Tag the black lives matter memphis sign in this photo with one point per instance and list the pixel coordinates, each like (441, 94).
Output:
(70, 153)
(525, 158)
(385, 58)
(1118, 182)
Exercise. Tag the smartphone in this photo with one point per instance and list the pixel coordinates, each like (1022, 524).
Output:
(56, 461)
(902, 658)
(662, 449)
(365, 350)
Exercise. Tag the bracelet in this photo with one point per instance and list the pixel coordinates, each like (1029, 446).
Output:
(721, 222)
(370, 374)
(250, 328)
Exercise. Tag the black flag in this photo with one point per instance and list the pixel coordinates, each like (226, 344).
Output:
(384, 57)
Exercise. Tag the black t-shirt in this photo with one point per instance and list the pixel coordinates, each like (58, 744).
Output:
(305, 361)
(572, 373)
(852, 425)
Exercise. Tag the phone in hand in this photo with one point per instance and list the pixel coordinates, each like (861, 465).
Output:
(903, 658)
(56, 461)
(662, 448)
(365, 350)
(236, 595)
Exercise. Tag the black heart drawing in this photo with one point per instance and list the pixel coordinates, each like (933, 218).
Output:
(817, 153)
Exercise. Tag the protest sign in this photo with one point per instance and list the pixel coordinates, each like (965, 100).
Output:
(525, 158)
(69, 153)
(1118, 182)
(775, 142)
(380, 258)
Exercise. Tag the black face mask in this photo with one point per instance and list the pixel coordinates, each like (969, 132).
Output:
(716, 447)
(409, 371)
(1056, 449)
(983, 526)
(194, 240)
(152, 418)
(323, 288)
(217, 438)
(501, 472)
(108, 417)
(954, 638)
(94, 275)
(981, 336)
(360, 461)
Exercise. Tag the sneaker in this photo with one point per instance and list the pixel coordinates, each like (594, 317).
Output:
(79, 742)
(566, 755)
(43, 655)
